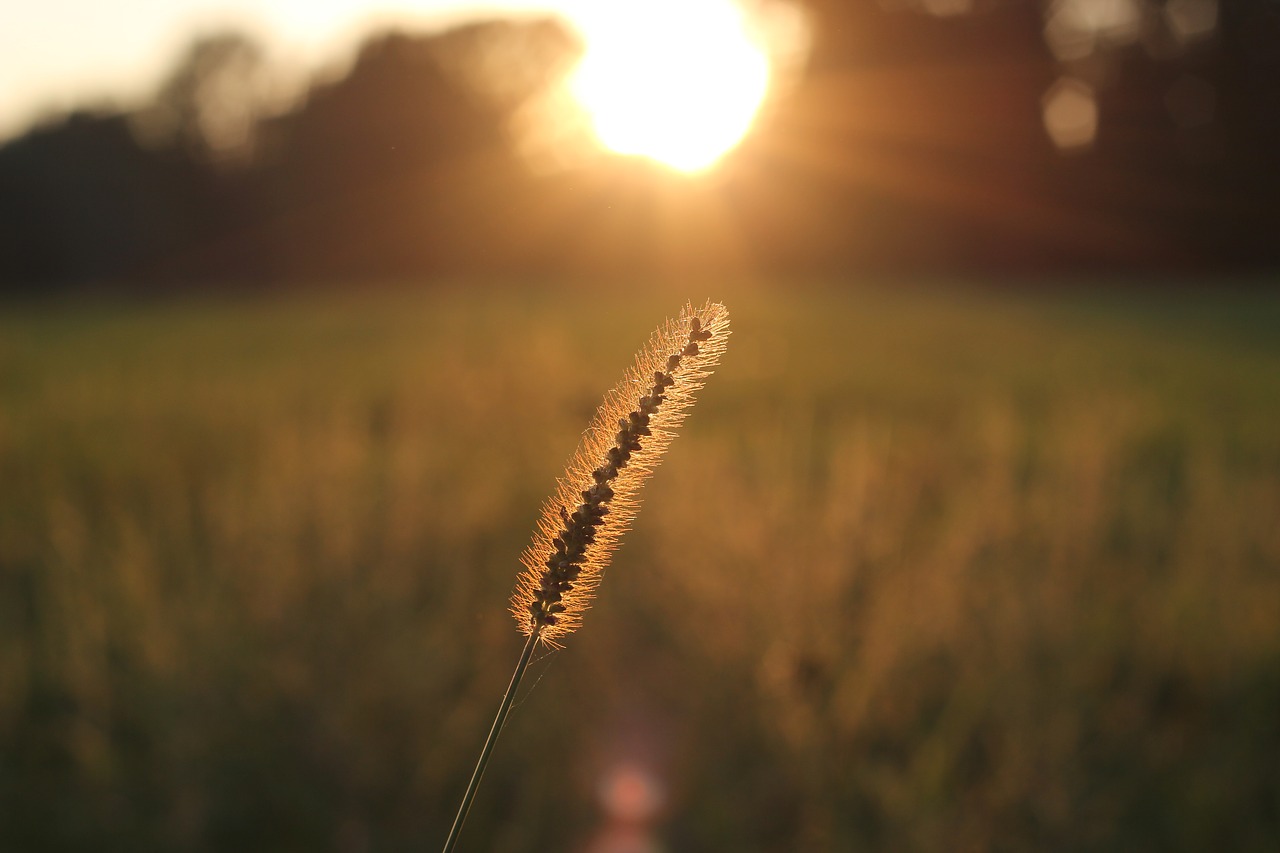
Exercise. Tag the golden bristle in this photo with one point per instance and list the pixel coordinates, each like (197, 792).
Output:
(598, 496)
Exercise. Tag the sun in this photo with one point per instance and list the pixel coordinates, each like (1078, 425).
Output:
(677, 81)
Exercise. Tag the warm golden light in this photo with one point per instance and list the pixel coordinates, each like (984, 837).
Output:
(677, 81)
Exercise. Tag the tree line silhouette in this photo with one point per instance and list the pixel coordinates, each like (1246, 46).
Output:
(909, 142)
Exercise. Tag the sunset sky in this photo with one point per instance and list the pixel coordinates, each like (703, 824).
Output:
(56, 54)
(685, 111)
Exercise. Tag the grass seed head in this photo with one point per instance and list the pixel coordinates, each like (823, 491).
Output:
(598, 496)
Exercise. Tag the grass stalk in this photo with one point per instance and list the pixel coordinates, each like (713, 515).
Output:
(498, 722)
(598, 497)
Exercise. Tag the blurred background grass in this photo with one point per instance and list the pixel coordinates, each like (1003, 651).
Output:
(929, 569)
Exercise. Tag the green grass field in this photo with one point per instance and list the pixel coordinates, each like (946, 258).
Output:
(928, 569)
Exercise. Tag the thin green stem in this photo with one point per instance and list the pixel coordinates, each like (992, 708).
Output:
(498, 722)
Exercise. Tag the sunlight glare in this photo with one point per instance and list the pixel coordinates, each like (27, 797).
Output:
(677, 81)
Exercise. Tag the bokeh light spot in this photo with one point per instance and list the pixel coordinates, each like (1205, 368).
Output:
(1070, 114)
(1075, 28)
(630, 793)
(1191, 20)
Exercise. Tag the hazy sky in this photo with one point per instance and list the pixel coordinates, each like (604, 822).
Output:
(56, 54)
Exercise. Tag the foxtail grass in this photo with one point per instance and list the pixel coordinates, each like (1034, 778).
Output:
(598, 497)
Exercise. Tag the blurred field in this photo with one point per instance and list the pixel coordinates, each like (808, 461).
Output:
(927, 570)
